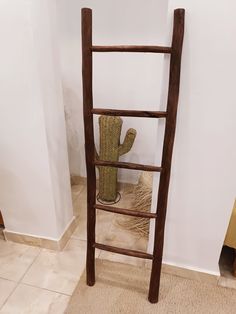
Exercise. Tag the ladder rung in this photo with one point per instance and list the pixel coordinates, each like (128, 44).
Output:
(123, 251)
(131, 48)
(123, 211)
(130, 113)
(127, 165)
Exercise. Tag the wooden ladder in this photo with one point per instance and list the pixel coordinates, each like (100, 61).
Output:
(175, 52)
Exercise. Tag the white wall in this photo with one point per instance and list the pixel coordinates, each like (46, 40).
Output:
(32, 143)
(203, 185)
(120, 80)
(45, 27)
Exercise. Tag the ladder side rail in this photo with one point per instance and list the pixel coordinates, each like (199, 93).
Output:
(89, 141)
(172, 104)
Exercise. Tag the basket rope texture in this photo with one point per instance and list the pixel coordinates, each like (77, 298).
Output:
(110, 149)
(142, 202)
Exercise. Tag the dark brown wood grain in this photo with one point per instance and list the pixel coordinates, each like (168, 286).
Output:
(89, 141)
(127, 165)
(123, 211)
(172, 104)
(134, 48)
(122, 251)
(130, 113)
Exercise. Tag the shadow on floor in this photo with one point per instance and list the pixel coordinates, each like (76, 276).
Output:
(226, 262)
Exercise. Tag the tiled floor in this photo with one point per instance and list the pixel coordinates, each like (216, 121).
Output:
(108, 230)
(34, 280)
(41, 281)
(38, 281)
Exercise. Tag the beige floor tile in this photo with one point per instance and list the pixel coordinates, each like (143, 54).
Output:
(30, 300)
(104, 221)
(6, 288)
(119, 237)
(15, 259)
(76, 190)
(122, 259)
(58, 271)
(80, 201)
(80, 211)
(107, 229)
(227, 282)
(1, 234)
(79, 193)
(103, 225)
(126, 200)
(81, 229)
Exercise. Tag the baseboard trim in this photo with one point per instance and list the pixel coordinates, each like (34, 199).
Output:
(47, 243)
(188, 273)
(75, 180)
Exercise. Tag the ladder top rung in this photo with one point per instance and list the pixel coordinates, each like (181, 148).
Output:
(130, 113)
(123, 211)
(132, 48)
(123, 251)
(127, 165)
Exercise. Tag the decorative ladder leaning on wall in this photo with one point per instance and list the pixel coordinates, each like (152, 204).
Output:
(175, 52)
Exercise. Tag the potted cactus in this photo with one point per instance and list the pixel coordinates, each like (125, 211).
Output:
(110, 149)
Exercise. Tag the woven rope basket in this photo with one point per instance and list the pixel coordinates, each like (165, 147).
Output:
(142, 202)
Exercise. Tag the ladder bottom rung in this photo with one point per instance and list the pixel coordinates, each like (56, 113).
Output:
(122, 251)
(123, 211)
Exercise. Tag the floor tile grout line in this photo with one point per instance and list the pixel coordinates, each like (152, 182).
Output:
(83, 187)
(35, 286)
(42, 288)
(75, 198)
(19, 281)
(74, 239)
(8, 279)
(16, 284)
(32, 286)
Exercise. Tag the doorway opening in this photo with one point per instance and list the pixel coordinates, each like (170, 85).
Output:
(227, 262)
(1, 226)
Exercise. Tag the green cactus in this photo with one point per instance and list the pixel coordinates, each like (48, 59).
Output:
(111, 150)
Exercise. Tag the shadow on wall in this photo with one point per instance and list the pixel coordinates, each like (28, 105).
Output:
(71, 104)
